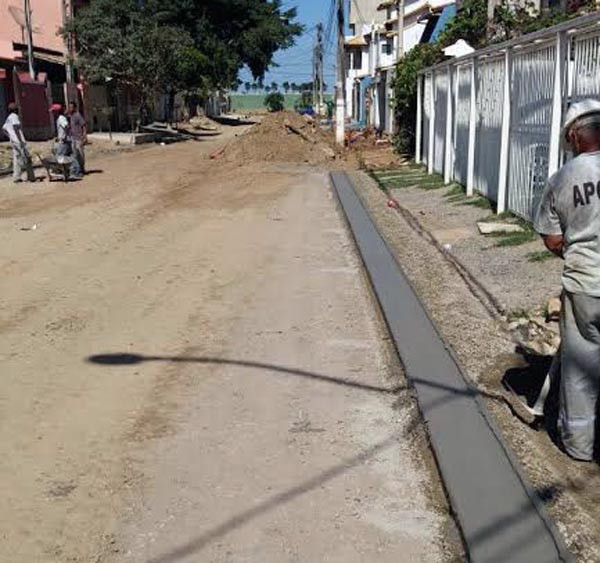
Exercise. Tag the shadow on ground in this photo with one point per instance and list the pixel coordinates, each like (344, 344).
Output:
(196, 545)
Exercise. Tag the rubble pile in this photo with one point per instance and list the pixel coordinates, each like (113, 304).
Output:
(374, 152)
(203, 123)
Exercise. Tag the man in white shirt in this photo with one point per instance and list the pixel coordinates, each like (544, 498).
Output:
(569, 221)
(21, 157)
(63, 133)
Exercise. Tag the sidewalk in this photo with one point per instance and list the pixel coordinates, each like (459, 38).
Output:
(512, 272)
(516, 270)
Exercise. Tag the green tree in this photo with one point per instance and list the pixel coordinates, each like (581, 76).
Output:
(275, 101)
(470, 23)
(120, 41)
(274, 86)
(286, 86)
(198, 45)
(405, 92)
(511, 21)
(247, 86)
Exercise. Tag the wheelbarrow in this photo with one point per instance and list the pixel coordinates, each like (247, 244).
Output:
(57, 167)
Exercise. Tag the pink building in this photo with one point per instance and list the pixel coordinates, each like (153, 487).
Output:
(47, 18)
(49, 54)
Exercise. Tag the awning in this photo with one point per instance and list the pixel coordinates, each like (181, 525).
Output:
(54, 59)
(356, 41)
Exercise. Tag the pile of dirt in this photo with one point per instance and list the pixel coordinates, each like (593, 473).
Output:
(287, 137)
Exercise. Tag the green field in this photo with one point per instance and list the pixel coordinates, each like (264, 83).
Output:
(248, 102)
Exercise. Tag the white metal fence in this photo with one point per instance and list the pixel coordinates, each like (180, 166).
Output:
(491, 120)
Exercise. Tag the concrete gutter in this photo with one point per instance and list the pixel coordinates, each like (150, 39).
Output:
(501, 516)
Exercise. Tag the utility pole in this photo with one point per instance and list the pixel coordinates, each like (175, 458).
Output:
(318, 71)
(315, 74)
(399, 52)
(400, 9)
(340, 101)
(67, 13)
(320, 59)
(29, 32)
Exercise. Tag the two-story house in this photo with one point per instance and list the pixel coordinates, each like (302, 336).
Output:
(374, 49)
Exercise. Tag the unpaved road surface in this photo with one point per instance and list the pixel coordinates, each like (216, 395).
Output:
(193, 369)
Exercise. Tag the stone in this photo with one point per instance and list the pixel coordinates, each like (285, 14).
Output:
(329, 152)
(553, 309)
(491, 228)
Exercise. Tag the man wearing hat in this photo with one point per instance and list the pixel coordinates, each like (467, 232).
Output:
(569, 221)
(21, 157)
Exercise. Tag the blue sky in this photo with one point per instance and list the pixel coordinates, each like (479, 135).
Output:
(295, 64)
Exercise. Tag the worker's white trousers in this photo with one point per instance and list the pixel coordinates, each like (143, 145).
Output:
(580, 374)
(21, 163)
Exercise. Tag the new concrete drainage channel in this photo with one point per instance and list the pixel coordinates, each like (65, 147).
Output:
(500, 515)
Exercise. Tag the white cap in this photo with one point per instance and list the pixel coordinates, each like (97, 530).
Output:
(576, 111)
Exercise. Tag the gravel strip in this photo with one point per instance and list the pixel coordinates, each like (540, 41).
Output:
(507, 272)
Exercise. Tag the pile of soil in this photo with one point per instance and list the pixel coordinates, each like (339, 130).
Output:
(287, 137)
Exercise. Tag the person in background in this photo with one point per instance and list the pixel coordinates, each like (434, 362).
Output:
(21, 157)
(569, 221)
(78, 139)
(63, 135)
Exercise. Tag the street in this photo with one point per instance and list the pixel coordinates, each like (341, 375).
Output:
(195, 369)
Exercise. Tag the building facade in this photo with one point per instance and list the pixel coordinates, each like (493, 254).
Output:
(373, 49)
(34, 94)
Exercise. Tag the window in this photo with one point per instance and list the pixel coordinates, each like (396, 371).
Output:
(387, 48)
(357, 60)
(352, 27)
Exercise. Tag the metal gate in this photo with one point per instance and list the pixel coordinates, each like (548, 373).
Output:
(490, 97)
(586, 66)
(462, 110)
(519, 134)
(441, 100)
(531, 116)
(426, 116)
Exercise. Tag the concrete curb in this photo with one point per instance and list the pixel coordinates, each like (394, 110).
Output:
(501, 517)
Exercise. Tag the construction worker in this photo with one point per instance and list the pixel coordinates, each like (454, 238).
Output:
(78, 139)
(63, 132)
(21, 157)
(569, 221)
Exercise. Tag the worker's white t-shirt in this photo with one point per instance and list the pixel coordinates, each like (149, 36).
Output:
(12, 122)
(570, 207)
(62, 129)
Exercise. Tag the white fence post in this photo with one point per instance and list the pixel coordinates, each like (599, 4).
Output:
(472, 131)
(419, 131)
(557, 103)
(455, 116)
(449, 123)
(505, 135)
(431, 125)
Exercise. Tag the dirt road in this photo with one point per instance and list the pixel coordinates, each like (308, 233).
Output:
(193, 369)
